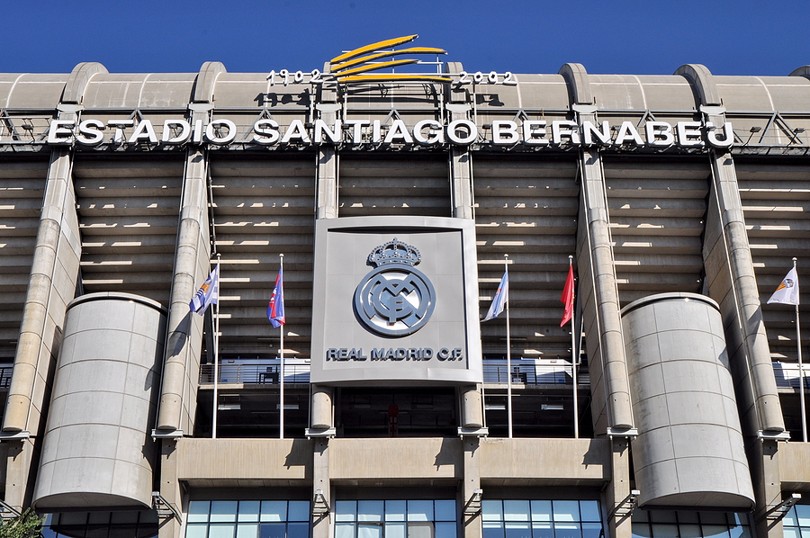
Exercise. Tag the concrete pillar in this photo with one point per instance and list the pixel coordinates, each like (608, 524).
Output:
(178, 397)
(170, 489)
(767, 487)
(618, 490)
(461, 192)
(605, 340)
(52, 285)
(471, 407)
(321, 490)
(327, 165)
(471, 490)
(321, 407)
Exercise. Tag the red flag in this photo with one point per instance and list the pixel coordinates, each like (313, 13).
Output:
(567, 297)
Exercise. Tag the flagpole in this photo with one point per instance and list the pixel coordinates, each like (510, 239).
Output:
(281, 368)
(508, 353)
(801, 367)
(574, 361)
(216, 358)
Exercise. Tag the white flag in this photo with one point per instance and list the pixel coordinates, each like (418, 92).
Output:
(501, 296)
(788, 290)
(207, 294)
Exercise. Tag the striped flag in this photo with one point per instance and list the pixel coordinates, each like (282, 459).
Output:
(207, 294)
(275, 308)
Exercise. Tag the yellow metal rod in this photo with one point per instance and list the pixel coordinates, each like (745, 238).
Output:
(374, 46)
(378, 55)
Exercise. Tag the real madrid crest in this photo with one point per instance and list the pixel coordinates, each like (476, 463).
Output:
(395, 299)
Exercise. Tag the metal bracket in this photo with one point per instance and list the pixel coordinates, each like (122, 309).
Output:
(164, 508)
(167, 434)
(319, 505)
(627, 433)
(309, 433)
(780, 510)
(473, 504)
(768, 436)
(625, 508)
(473, 432)
(18, 436)
(6, 508)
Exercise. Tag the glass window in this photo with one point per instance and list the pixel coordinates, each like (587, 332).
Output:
(445, 510)
(196, 530)
(665, 530)
(222, 511)
(493, 529)
(274, 511)
(395, 530)
(370, 510)
(589, 511)
(249, 510)
(491, 510)
(421, 529)
(689, 524)
(541, 510)
(566, 510)
(298, 511)
(272, 530)
(516, 511)
(444, 530)
(518, 529)
(420, 510)
(344, 530)
(395, 510)
(543, 530)
(221, 530)
(247, 531)
(345, 511)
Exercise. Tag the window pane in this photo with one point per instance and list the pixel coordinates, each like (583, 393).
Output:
(420, 530)
(221, 531)
(713, 518)
(718, 531)
(345, 510)
(515, 511)
(690, 531)
(370, 510)
(566, 510)
(195, 530)
(739, 531)
(518, 530)
(394, 530)
(590, 511)
(493, 529)
(803, 513)
(297, 530)
(641, 530)
(790, 532)
(805, 532)
(249, 510)
(369, 531)
(223, 511)
(271, 530)
(445, 511)
(664, 530)
(395, 511)
(542, 530)
(274, 511)
(541, 510)
(420, 511)
(344, 530)
(298, 511)
(591, 530)
(567, 530)
(444, 530)
(492, 510)
(198, 511)
(250, 530)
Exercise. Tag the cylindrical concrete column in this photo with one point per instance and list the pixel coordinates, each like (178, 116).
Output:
(472, 414)
(97, 449)
(689, 451)
(321, 407)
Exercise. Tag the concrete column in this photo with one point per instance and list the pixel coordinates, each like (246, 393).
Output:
(618, 490)
(191, 266)
(327, 165)
(767, 487)
(170, 488)
(321, 491)
(471, 490)
(471, 407)
(321, 407)
(178, 398)
(52, 285)
(603, 308)
(459, 108)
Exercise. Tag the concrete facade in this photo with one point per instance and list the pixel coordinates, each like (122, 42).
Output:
(659, 184)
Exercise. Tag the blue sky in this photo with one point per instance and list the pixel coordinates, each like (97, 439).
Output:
(616, 36)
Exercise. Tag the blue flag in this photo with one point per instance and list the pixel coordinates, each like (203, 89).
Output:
(207, 294)
(501, 296)
(275, 308)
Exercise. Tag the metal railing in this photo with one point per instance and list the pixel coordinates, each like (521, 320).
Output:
(531, 374)
(257, 373)
(5, 377)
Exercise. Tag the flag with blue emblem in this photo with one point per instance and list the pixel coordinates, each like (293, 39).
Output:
(207, 294)
(275, 308)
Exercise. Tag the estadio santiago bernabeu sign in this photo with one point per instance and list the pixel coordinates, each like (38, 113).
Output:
(395, 301)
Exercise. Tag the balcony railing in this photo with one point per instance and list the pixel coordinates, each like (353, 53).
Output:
(5, 377)
(255, 372)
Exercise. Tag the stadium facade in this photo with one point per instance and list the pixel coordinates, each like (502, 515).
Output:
(675, 410)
